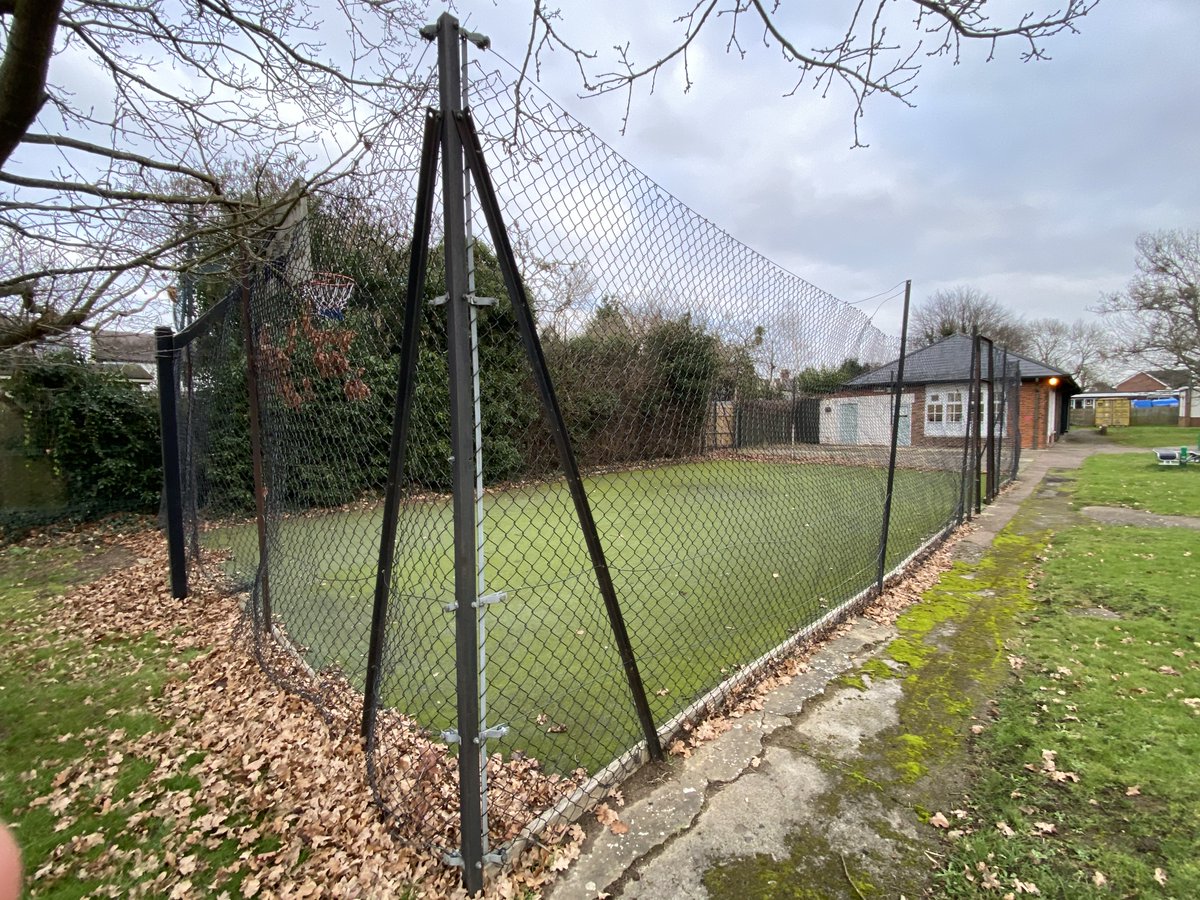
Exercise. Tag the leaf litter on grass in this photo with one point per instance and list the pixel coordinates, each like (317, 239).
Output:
(242, 790)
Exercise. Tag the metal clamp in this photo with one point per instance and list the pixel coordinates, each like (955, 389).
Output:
(480, 301)
(440, 300)
(489, 599)
(450, 736)
(496, 732)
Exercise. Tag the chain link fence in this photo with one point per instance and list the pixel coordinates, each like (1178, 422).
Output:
(649, 459)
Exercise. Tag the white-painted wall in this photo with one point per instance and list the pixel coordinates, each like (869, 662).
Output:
(874, 418)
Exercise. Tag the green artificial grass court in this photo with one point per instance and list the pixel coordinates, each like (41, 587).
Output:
(714, 564)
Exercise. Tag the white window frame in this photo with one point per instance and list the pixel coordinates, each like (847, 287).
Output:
(945, 410)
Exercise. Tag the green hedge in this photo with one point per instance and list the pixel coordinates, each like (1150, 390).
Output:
(98, 430)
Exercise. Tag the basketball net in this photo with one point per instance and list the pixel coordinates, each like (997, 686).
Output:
(328, 294)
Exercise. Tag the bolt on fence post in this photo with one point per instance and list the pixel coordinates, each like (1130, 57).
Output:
(164, 341)
(562, 440)
(462, 431)
(256, 451)
(897, 393)
(402, 414)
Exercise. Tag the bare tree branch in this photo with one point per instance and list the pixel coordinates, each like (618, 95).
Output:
(174, 135)
(24, 68)
(866, 60)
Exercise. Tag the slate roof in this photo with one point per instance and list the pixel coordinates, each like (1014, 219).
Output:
(1172, 378)
(950, 360)
(123, 347)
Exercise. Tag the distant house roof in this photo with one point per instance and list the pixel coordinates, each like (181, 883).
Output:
(123, 347)
(950, 360)
(1169, 378)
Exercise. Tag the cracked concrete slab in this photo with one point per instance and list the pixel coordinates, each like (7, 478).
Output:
(671, 808)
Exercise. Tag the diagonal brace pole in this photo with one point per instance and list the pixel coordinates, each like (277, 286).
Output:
(409, 347)
(541, 376)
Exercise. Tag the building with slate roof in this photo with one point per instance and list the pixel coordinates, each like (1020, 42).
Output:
(933, 403)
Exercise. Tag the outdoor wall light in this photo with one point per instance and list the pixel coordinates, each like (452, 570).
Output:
(1054, 381)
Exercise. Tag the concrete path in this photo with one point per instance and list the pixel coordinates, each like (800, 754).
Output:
(814, 795)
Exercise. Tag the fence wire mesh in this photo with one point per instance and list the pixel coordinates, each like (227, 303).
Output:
(732, 422)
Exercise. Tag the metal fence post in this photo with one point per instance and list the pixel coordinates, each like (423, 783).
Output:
(462, 440)
(989, 444)
(897, 393)
(978, 411)
(1016, 415)
(965, 507)
(256, 451)
(1002, 419)
(164, 340)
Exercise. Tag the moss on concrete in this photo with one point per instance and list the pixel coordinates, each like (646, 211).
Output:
(950, 653)
(826, 876)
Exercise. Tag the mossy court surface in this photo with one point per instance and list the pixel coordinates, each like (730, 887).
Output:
(714, 564)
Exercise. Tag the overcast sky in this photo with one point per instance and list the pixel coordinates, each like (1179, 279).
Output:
(1028, 180)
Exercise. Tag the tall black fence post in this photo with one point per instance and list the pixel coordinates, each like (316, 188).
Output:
(1002, 428)
(977, 474)
(256, 450)
(964, 505)
(1016, 417)
(462, 449)
(164, 342)
(993, 455)
(897, 394)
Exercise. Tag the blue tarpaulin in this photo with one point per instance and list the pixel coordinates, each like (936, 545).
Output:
(1146, 404)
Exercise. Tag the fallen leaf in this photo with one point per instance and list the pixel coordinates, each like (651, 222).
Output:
(1160, 876)
(937, 820)
(1133, 790)
(1005, 829)
(1098, 879)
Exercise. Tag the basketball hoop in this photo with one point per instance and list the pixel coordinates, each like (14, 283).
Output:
(328, 294)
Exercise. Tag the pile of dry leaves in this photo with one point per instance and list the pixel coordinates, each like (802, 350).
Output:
(242, 760)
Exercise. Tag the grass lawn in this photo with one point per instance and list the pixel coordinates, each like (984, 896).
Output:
(1088, 784)
(714, 564)
(1136, 480)
(59, 702)
(1155, 436)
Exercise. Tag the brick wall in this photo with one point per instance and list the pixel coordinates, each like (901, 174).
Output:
(1140, 382)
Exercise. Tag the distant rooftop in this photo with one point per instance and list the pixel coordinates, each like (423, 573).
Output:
(950, 360)
(123, 347)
